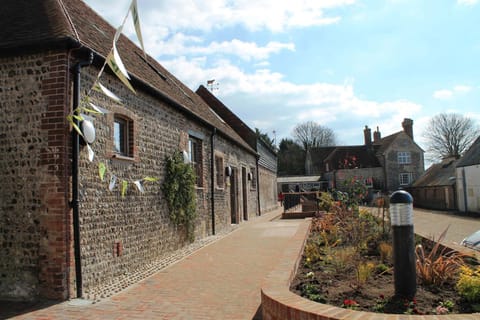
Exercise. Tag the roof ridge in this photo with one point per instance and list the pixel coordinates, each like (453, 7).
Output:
(69, 19)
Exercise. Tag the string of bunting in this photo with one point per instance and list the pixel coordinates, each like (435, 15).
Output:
(115, 63)
(139, 183)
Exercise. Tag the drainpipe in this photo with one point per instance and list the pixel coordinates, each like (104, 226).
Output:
(464, 184)
(75, 154)
(258, 189)
(212, 175)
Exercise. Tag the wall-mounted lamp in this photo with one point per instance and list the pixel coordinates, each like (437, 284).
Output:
(249, 176)
(228, 171)
(88, 131)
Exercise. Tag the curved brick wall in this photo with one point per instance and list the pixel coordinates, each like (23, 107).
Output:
(279, 303)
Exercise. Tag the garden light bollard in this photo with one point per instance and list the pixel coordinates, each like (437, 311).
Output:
(404, 270)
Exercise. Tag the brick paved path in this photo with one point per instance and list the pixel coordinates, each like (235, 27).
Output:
(220, 281)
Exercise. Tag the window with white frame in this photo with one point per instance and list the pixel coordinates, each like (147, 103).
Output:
(196, 158)
(405, 178)
(403, 157)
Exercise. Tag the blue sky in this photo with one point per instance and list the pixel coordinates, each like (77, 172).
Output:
(342, 63)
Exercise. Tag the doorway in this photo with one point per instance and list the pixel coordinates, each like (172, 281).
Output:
(233, 197)
(244, 193)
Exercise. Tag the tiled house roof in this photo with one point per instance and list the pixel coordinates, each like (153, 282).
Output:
(439, 174)
(472, 156)
(73, 23)
(349, 157)
(231, 118)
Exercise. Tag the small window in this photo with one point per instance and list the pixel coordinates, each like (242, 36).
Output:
(196, 159)
(123, 136)
(404, 157)
(220, 172)
(253, 182)
(405, 178)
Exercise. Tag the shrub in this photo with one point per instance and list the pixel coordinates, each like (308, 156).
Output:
(439, 265)
(364, 272)
(179, 191)
(468, 284)
(341, 258)
(385, 250)
(312, 292)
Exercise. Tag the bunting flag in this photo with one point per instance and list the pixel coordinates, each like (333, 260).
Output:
(91, 154)
(100, 88)
(139, 184)
(124, 188)
(136, 22)
(116, 64)
(101, 170)
(73, 124)
(113, 182)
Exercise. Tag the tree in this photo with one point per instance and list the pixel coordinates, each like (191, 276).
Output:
(311, 134)
(291, 158)
(449, 135)
(265, 138)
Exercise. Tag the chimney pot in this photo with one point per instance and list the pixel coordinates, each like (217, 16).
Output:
(367, 133)
(407, 125)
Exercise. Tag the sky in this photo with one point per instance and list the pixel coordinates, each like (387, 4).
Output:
(344, 64)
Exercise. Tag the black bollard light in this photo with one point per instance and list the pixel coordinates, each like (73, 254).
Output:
(404, 270)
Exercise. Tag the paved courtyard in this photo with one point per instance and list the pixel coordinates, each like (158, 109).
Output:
(220, 281)
(223, 279)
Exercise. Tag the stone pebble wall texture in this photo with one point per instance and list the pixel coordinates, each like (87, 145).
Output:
(34, 197)
(119, 234)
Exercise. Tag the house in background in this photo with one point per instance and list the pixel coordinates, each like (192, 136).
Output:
(436, 188)
(68, 231)
(468, 179)
(386, 164)
(266, 169)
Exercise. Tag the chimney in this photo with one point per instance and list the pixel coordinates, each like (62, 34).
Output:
(377, 136)
(407, 125)
(367, 132)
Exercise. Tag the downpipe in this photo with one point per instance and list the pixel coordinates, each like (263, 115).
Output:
(75, 184)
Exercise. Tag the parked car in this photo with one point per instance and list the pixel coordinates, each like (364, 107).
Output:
(472, 241)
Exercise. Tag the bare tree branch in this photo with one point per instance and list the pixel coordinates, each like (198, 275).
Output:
(311, 134)
(449, 135)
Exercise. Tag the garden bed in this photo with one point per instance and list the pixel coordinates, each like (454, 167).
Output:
(347, 262)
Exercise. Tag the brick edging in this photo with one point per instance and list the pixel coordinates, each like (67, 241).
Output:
(279, 303)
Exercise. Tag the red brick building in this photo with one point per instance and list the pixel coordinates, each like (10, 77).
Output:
(51, 52)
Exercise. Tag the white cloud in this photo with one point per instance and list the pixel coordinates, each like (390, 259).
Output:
(462, 89)
(263, 98)
(445, 94)
(467, 2)
(183, 44)
(273, 15)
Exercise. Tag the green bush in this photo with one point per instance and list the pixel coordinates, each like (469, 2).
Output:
(468, 284)
(179, 191)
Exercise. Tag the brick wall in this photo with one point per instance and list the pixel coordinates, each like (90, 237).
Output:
(139, 223)
(268, 189)
(118, 235)
(34, 216)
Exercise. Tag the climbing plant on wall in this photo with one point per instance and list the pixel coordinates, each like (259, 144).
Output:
(179, 191)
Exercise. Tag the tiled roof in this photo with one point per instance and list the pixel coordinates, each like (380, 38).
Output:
(30, 22)
(439, 174)
(364, 156)
(231, 118)
(472, 156)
